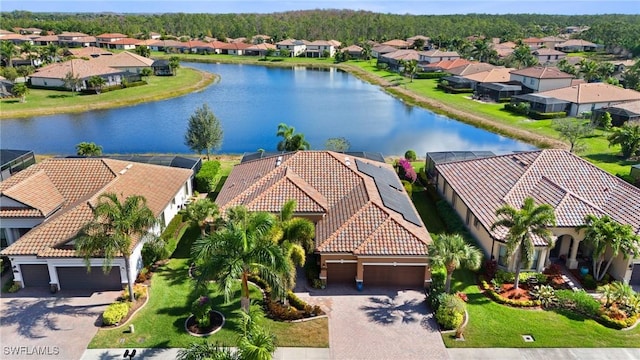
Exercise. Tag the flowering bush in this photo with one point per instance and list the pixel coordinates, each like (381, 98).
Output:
(406, 171)
(462, 296)
(201, 308)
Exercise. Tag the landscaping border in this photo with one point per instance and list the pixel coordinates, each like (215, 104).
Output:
(146, 301)
(224, 320)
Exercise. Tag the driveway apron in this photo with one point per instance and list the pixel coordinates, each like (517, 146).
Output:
(379, 323)
(37, 325)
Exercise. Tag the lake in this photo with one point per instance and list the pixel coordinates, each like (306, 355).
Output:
(250, 102)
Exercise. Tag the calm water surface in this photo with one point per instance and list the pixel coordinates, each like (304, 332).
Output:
(251, 101)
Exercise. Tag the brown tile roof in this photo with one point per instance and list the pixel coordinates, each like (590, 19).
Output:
(573, 186)
(47, 38)
(632, 106)
(449, 64)
(352, 48)
(123, 59)
(468, 69)
(532, 40)
(235, 46)
(79, 67)
(36, 192)
(383, 49)
(403, 55)
(126, 41)
(78, 183)
(397, 43)
(88, 51)
(72, 34)
(497, 75)
(111, 36)
(547, 51)
(586, 93)
(263, 46)
(355, 219)
(576, 42)
(437, 53)
(542, 72)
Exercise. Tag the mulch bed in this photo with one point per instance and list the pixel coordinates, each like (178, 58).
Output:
(216, 322)
(520, 294)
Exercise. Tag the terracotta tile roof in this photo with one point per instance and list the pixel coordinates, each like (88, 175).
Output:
(470, 68)
(123, 59)
(437, 53)
(290, 42)
(576, 42)
(403, 55)
(355, 219)
(383, 49)
(79, 67)
(72, 34)
(547, 51)
(542, 72)
(80, 182)
(47, 38)
(88, 51)
(352, 48)
(125, 41)
(449, 64)
(497, 75)
(111, 36)
(37, 192)
(586, 93)
(507, 44)
(321, 43)
(532, 40)
(397, 43)
(235, 46)
(572, 185)
(263, 46)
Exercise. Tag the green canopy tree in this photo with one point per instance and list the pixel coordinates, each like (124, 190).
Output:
(88, 149)
(72, 81)
(143, 51)
(290, 140)
(204, 131)
(628, 137)
(8, 51)
(339, 144)
(453, 252)
(20, 90)
(522, 226)
(115, 225)
(96, 83)
(174, 64)
(573, 130)
(243, 246)
(603, 233)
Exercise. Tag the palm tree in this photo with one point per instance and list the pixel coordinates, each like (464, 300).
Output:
(589, 70)
(207, 351)
(522, 57)
(27, 48)
(52, 51)
(481, 50)
(453, 252)
(290, 140)
(628, 137)
(88, 149)
(240, 248)
(96, 82)
(8, 52)
(199, 211)
(409, 68)
(114, 227)
(522, 225)
(608, 237)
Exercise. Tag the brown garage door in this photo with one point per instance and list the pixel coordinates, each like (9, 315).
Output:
(635, 275)
(35, 275)
(394, 276)
(77, 278)
(341, 273)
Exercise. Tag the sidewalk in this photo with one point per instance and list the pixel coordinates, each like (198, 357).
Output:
(284, 353)
(544, 354)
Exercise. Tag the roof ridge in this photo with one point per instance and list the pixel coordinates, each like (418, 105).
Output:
(371, 237)
(314, 194)
(352, 218)
(519, 181)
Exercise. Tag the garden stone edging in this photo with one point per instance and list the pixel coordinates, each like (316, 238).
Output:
(209, 333)
(146, 300)
(632, 326)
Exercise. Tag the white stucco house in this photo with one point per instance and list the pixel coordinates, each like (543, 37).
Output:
(43, 207)
(541, 78)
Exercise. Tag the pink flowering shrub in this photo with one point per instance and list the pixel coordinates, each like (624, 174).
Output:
(406, 171)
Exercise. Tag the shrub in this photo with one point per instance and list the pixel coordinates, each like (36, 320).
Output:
(579, 301)
(546, 294)
(201, 307)
(553, 269)
(170, 236)
(451, 312)
(115, 312)
(407, 187)
(139, 291)
(278, 311)
(406, 171)
(544, 116)
(14, 288)
(505, 276)
(153, 251)
(208, 176)
(430, 75)
(436, 289)
(589, 282)
(490, 269)
(410, 155)
(143, 276)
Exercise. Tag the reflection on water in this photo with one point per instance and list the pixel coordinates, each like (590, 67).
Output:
(251, 101)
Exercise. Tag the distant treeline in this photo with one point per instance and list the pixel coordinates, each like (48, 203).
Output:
(344, 25)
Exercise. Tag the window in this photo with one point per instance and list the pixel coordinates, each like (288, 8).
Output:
(534, 263)
(502, 256)
(468, 220)
(476, 222)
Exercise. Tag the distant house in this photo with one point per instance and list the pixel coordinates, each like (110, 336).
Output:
(398, 44)
(367, 231)
(88, 52)
(108, 40)
(260, 49)
(621, 113)
(354, 51)
(17, 39)
(75, 39)
(45, 206)
(550, 42)
(425, 39)
(379, 50)
(320, 48)
(161, 67)
(46, 40)
(394, 59)
(497, 75)
(236, 48)
(52, 76)
(573, 187)
(14, 161)
(295, 47)
(464, 70)
(576, 45)
(533, 42)
(432, 56)
(445, 65)
(548, 56)
(541, 78)
(260, 39)
(125, 62)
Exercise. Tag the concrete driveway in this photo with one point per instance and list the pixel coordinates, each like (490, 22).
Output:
(37, 325)
(379, 323)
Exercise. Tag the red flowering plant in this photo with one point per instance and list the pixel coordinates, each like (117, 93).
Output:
(406, 171)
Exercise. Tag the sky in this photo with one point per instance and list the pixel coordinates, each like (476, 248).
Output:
(418, 7)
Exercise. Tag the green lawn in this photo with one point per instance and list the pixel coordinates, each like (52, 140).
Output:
(161, 322)
(43, 102)
(495, 325)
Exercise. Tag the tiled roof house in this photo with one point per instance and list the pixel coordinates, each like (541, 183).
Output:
(572, 186)
(53, 75)
(541, 78)
(44, 206)
(367, 230)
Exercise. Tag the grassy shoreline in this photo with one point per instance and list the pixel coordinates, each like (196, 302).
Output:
(49, 102)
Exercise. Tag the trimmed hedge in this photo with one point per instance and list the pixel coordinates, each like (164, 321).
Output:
(115, 312)
(430, 75)
(452, 90)
(208, 176)
(544, 116)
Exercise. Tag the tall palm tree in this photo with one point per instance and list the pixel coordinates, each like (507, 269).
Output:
(27, 48)
(628, 137)
(589, 70)
(522, 57)
(453, 252)
(290, 140)
(240, 248)
(481, 50)
(114, 227)
(295, 236)
(199, 211)
(8, 52)
(522, 226)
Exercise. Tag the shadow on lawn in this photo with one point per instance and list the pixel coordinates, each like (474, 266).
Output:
(610, 158)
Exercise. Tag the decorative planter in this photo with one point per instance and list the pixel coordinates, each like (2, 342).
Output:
(584, 271)
(217, 322)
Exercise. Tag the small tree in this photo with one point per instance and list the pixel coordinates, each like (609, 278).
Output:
(72, 81)
(143, 51)
(146, 72)
(20, 90)
(573, 131)
(453, 252)
(174, 64)
(96, 83)
(628, 137)
(204, 131)
(339, 144)
(410, 155)
(606, 121)
(198, 212)
(88, 149)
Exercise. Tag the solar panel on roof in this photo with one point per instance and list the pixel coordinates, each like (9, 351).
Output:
(390, 190)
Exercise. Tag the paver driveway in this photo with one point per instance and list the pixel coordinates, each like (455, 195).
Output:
(36, 325)
(379, 323)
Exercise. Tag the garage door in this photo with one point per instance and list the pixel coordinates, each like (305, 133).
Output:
(77, 278)
(394, 276)
(35, 275)
(341, 273)
(635, 275)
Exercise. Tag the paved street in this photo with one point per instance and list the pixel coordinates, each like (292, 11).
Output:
(36, 325)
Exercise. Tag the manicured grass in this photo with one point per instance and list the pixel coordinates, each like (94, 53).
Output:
(161, 322)
(495, 325)
(427, 210)
(44, 102)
